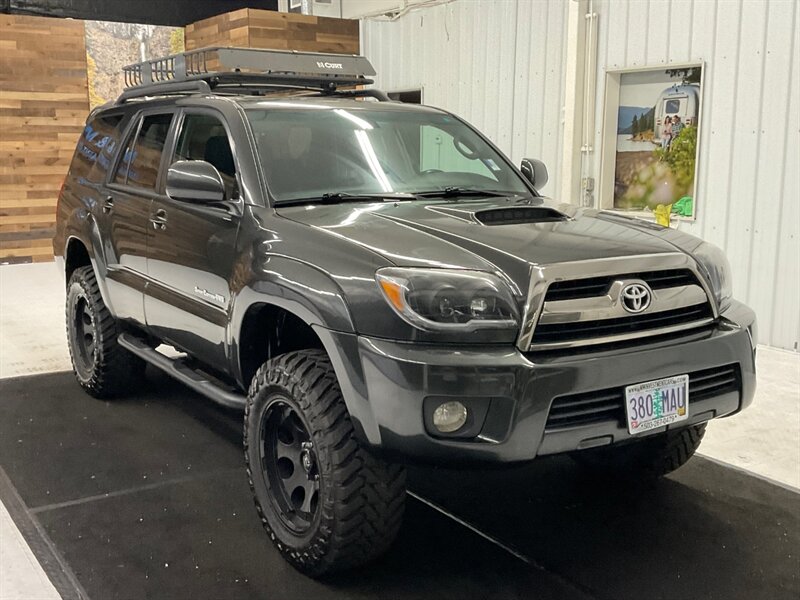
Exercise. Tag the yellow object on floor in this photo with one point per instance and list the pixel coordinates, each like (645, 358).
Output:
(662, 214)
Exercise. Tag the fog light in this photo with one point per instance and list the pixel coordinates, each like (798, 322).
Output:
(450, 416)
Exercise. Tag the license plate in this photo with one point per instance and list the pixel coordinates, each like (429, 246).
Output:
(654, 404)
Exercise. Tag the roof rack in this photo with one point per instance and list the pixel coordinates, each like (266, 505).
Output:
(200, 71)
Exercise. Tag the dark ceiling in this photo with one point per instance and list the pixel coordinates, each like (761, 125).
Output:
(154, 12)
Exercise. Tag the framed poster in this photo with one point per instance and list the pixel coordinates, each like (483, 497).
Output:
(651, 139)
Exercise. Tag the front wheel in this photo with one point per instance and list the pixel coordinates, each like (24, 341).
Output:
(645, 459)
(325, 501)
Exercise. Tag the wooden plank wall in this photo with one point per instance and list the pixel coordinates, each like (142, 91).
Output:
(43, 107)
(230, 29)
(44, 102)
(253, 28)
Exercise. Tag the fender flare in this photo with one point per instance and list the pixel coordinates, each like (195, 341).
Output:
(82, 228)
(316, 299)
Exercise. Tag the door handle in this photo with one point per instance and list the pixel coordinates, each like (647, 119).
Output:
(108, 204)
(159, 219)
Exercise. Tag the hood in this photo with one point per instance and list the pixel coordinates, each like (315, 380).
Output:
(486, 234)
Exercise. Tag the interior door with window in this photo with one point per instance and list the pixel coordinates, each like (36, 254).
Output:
(125, 212)
(191, 248)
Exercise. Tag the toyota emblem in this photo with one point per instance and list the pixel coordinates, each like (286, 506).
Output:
(636, 297)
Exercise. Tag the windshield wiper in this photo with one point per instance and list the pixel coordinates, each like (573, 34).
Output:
(340, 197)
(459, 192)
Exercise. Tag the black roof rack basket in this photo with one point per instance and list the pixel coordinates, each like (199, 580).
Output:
(207, 68)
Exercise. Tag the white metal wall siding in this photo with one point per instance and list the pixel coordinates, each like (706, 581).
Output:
(499, 65)
(748, 191)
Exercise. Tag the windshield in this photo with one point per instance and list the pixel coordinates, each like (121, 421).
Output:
(315, 150)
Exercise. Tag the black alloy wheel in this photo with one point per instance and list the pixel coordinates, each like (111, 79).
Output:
(326, 502)
(290, 465)
(84, 337)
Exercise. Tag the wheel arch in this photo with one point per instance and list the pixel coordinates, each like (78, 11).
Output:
(288, 292)
(76, 255)
(268, 330)
(257, 339)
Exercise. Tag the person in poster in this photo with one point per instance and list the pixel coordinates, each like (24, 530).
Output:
(657, 133)
(666, 134)
(676, 128)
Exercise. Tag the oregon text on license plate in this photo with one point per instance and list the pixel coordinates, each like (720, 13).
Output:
(654, 404)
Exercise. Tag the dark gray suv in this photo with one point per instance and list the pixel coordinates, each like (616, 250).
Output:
(373, 284)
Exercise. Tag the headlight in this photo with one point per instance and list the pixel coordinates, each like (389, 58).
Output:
(718, 270)
(449, 299)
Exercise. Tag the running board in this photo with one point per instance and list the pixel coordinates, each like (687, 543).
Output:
(182, 372)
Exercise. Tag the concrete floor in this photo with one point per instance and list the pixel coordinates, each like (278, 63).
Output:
(764, 440)
(21, 576)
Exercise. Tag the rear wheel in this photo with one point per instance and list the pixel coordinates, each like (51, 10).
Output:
(646, 459)
(102, 367)
(326, 503)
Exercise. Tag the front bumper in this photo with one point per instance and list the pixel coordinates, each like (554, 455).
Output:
(386, 383)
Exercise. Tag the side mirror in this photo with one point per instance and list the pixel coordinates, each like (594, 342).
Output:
(535, 172)
(195, 180)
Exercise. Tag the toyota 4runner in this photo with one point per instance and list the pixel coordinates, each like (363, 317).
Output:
(372, 284)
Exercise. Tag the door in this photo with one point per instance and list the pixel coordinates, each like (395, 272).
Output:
(125, 211)
(191, 248)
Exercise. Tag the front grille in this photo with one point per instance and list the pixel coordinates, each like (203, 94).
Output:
(598, 286)
(586, 330)
(588, 408)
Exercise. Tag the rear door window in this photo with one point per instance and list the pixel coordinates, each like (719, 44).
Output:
(146, 159)
(141, 159)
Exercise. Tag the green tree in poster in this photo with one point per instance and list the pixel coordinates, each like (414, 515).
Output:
(635, 125)
(649, 120)
(681, 159)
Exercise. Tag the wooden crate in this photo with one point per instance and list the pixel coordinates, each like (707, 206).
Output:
(43, 107)
(253, 28)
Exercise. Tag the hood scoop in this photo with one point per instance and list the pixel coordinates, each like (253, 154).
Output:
(519, 214)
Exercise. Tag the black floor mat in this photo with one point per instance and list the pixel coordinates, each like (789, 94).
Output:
(146, 497)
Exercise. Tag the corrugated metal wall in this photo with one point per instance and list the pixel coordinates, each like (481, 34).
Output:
(748, 186)
(497, 64)
(501, 65)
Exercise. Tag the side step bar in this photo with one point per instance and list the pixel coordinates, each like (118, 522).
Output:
(182, 372)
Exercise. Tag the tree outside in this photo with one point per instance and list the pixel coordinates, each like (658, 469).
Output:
(111, 46)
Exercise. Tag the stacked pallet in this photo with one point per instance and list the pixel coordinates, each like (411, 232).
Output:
(252, 28)
(43, 107)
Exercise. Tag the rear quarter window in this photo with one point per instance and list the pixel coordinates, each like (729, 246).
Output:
(96, 146)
